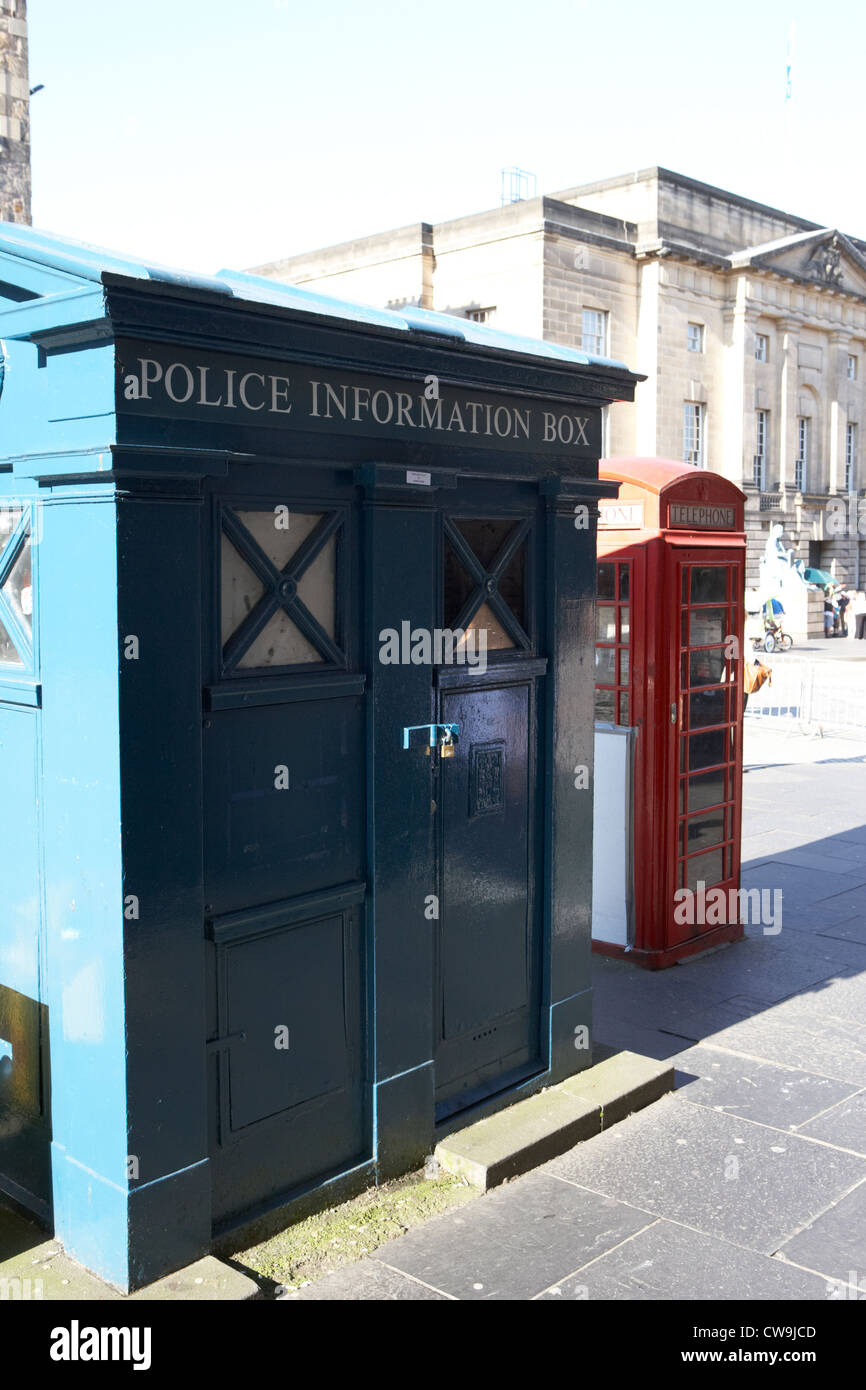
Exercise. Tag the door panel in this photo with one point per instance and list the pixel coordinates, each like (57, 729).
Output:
(284, 846)
(709, 713)
(488, 989)
(274, 834)
(287, 1062)
(293, 980)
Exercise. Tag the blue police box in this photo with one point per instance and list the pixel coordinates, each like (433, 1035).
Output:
(296, 708)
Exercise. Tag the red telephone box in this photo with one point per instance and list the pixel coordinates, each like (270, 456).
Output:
(671, 576)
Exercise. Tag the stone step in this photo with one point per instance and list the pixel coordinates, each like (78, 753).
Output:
(545, 1125)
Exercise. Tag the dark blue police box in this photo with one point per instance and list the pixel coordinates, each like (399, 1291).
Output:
(296, 726)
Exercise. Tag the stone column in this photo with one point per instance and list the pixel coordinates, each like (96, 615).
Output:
(14, 113)
(786, 440)
(647, 394)
(838, 375)
(739, 389)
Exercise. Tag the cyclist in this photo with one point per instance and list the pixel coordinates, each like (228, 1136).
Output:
(773, 612)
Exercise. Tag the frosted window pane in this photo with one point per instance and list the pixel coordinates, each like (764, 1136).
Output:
(241, 589)
(278, 540)
(18, 587)
(9, 518)
(8, 653)
(279, 643)
(317, 584)
(497, 637)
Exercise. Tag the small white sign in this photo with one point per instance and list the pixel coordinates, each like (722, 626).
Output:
(421, 479)
(620, 516)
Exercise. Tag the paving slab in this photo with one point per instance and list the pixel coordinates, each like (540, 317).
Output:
(769, 968)
(653, 999)
(366, 1280)
(763, 1091)
(843, 996)
(817, 918)
(844, 1125)
(764, 845)
(667, 1261)
(717, 1173)
(516, 1241)
(795, 1033)
(834, 1243)
(847, 901)
(854, 929)
(623, 1035)
(802, 885)
(703, 1023)
(845, 871)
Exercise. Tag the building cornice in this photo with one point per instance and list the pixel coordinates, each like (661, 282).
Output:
(609, 243)
(678, 251)
(675, 251)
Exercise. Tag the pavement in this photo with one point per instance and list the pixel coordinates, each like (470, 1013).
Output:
(831, 648)
(749, 1180)
(746, 1182)
(33, 1268)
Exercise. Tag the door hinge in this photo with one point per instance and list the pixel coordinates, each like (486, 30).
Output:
(217, 1044)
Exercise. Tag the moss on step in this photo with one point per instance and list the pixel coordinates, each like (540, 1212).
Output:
(342, 1234)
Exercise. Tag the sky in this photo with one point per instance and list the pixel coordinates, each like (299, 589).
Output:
(207, 134)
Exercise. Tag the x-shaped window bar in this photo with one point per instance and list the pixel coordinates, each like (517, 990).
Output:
(281, 589)
(9, 615)
(488, 580)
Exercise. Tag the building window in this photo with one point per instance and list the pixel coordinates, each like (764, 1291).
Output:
(850, 454)
(762, 347)
(852, 367)
(695, 338)
(481, 315)
(693, 433)
(802, 460)
(760, 460)
(594, 332)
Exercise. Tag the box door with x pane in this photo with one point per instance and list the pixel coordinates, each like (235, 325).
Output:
(284, 845)
(487, 1030)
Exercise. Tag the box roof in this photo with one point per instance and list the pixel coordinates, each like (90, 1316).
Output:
(36, 264)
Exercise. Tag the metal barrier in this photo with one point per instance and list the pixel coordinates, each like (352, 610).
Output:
(821, 695)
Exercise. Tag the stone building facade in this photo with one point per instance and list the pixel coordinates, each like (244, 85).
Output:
(749, 323)
(14, 113)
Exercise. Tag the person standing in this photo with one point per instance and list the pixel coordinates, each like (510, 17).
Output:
(844, 601)
(858, 612)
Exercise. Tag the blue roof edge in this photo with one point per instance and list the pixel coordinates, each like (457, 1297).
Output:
(89, 263)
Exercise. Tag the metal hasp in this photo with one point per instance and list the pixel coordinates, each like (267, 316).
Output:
(440, 736)
(253, 955)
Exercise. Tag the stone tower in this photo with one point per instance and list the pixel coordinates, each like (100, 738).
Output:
(14, 113)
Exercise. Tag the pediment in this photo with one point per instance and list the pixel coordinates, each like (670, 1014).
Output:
(828, 258)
